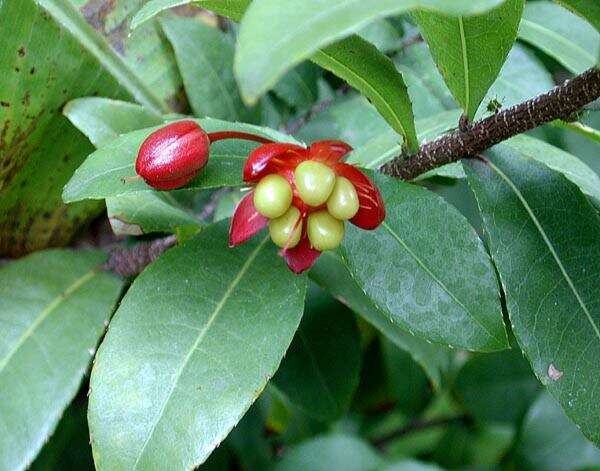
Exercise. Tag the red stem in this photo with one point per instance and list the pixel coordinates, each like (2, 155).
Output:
(218, 136)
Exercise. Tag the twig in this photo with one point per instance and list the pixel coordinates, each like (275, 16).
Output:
(559, 103)
(416, 426)
(132, 260)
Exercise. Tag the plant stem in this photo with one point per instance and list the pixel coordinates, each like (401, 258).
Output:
(559, 103)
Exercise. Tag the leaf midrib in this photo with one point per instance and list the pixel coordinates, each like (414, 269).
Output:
(202, 333)
(548, 243)
(438, 281)
(44, 313)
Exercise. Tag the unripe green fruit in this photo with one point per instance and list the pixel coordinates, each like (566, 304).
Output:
(285, 231)
(314, 182)
(324, 231)
(343, 203)
(272, 196)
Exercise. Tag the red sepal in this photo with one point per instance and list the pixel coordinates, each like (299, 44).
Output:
(329, 151)
(246, 221)
(301, 257)
(371, 211)
(270, 158)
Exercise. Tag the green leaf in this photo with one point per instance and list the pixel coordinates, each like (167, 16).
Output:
(148, 211)
(427, 269)
(205, 58)
(588, 9)
(103, 120)
(562, 35)
(54, 309)
(374, 75)
(550, 441)
(498, 387)
(544, 237)
(570, 166)
(298, 87)
(69, 447)
(332, 275)
(320, 371)
(328, 452)
(470, 51)
(101, 174)
(190, 348)
(426, 87)
(264, 53)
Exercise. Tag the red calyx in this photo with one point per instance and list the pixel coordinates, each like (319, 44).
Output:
(172, 156)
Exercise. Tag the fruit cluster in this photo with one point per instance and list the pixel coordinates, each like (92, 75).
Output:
(328, 200)
(303, 194)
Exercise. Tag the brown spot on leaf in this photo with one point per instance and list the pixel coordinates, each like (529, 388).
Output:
(554, 373)
(21, 51)
(96, 13)
(32, 70)
(5, 104)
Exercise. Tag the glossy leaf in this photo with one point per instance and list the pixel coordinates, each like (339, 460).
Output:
(588, 9)
(426, 268)
(332, 275)
(561, 34)
(470, 51)
(570, 166)
(69, 447)
(374, 75)
(101, 174)
(264, 54)
(544, 237)
(498, 387)
(190, 348)
(205, 58)
(55, 306)
(550, 441)
(320, 371)
(328, 452)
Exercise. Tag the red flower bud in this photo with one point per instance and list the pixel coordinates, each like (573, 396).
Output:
(172, 156)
